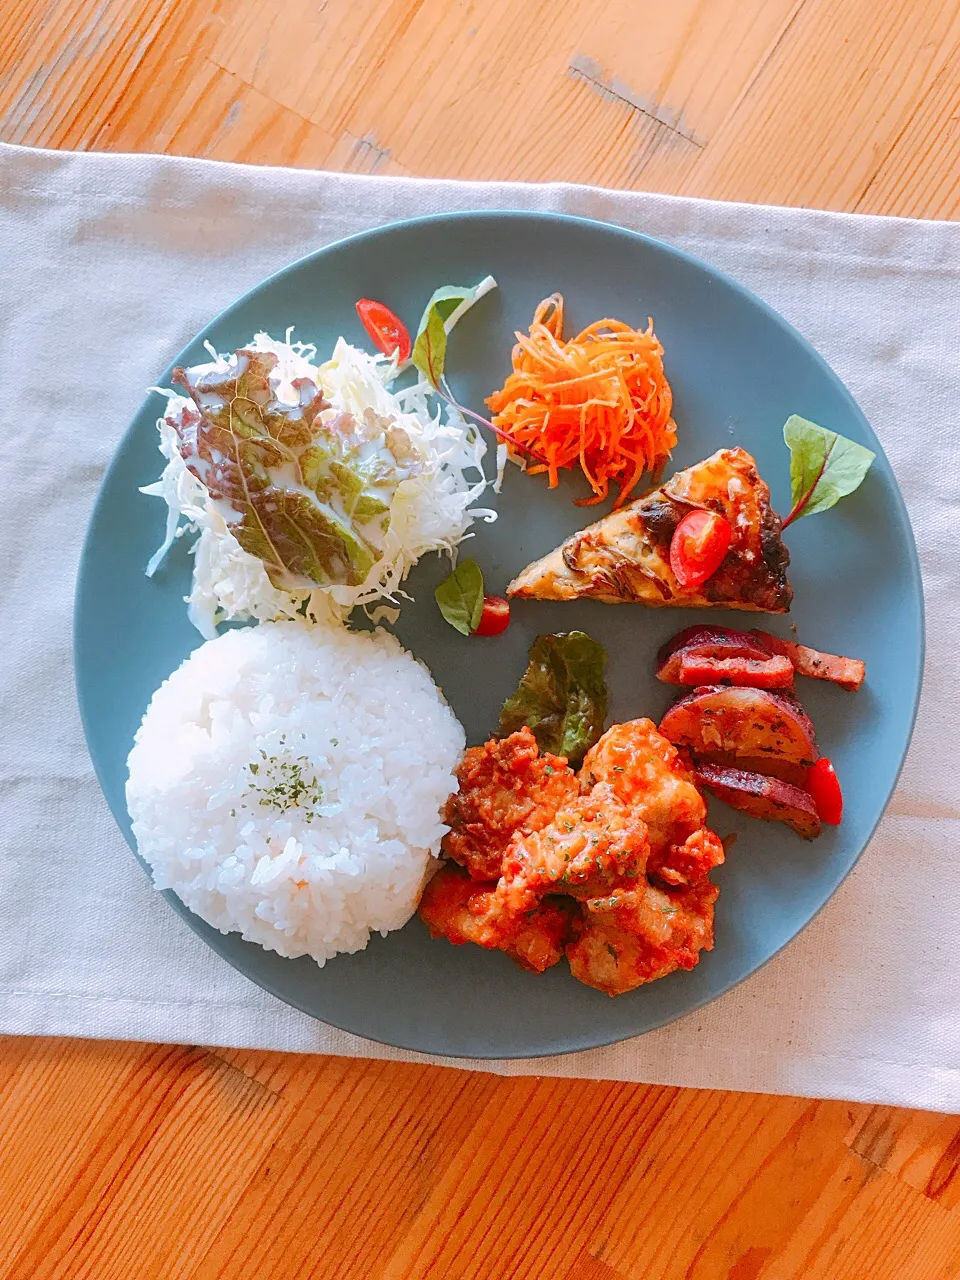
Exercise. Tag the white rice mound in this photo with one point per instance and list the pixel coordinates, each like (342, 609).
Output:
(265, 714)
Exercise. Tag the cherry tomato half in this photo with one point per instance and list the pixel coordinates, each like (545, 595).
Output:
(495, 617)
(824, 785)
(387, 331)
(699, 543)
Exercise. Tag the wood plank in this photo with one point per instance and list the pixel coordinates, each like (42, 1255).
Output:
(360, 1148)
(123, 1142)
(864, 1223)
(580, 93)
(829, 103)
(178, 101)
(746, 1181)
(520, 1179)
(64, 66)
(582, 110)
(921, 1148)
(917, 175)
(40, 1084)
(189, 1165)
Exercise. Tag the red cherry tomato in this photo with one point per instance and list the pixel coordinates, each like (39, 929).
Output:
(495, 617)
(824, 785)
(387, 331)
(699, 543)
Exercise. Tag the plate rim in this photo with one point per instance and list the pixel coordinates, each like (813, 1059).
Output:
(209, 934)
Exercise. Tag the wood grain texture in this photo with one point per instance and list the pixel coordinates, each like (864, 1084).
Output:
(846, 104)
(121, 1161)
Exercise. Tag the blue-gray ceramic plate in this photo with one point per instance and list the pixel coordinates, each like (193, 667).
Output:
(738, 371)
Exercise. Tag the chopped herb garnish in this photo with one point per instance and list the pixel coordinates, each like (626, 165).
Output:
(286, 783)
(613, 951)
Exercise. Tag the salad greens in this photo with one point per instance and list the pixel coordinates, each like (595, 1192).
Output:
(460, 597)
(562, 695)
(824, 466)
(309, 498)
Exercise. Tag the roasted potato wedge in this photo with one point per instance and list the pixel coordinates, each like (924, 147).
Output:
(756, 723)
(785, 770)
(713, 642)
(767, 798)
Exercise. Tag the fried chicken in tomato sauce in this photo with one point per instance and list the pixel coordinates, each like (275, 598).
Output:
(593, 844)
(610, 868)
(463, 910)
(648, 773)
(505, 786)
(637, 935)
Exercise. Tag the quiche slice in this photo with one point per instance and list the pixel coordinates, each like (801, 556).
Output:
(625, 557)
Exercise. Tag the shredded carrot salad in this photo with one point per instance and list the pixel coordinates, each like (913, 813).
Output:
(600, 399)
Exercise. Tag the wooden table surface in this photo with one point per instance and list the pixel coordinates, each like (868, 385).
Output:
(128, 1162)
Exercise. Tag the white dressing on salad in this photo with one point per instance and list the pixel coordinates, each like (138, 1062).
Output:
(335, 506)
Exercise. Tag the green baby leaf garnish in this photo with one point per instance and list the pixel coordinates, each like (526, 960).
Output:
(430, 349)
(441, 313)
(824, 467)
(562, 696)
(460, 597)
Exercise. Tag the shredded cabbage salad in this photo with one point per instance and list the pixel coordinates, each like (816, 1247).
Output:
(393, 476)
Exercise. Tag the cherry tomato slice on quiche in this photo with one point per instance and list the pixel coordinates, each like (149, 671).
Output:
(387, 331)
(495, 617)
(699, 543)
(824, 786)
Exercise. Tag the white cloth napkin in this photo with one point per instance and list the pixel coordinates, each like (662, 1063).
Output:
(109, 264)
